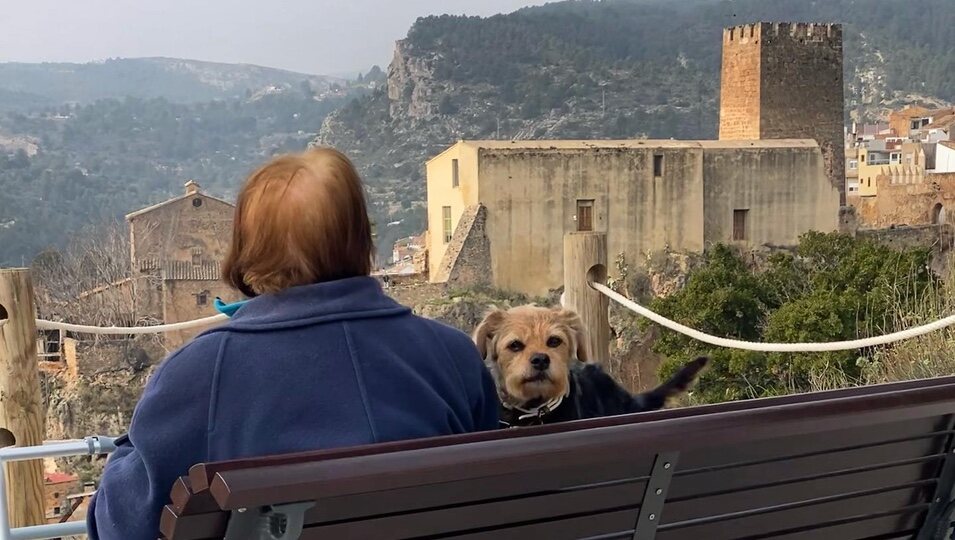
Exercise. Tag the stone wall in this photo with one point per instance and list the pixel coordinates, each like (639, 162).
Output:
(740, 83)
(802, 90)
(174, 230)
(532, 195)
(907, 204)
(467, 259)
(181, 303)
(934, 236)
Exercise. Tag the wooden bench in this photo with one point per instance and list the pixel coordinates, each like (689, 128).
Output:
(864, 463)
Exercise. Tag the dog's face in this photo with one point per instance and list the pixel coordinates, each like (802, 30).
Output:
(531, 350)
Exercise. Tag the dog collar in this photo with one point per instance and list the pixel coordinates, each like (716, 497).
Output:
(538, 412)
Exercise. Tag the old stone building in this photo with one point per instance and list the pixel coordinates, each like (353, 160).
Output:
(905, 200)
(57, 487)
(177, 248)
(784, 81)
(498, 210)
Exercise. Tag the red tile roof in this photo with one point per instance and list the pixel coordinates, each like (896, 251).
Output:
(59, 478)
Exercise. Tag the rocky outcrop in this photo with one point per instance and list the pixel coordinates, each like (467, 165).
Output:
(467, 260)
(410, 83)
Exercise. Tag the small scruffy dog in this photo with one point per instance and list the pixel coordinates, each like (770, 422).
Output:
(539, 359)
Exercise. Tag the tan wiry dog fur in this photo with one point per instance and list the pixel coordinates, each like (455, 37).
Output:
(514, 336)
(544, 374)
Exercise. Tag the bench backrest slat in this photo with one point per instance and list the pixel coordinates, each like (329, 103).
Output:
(202, 474)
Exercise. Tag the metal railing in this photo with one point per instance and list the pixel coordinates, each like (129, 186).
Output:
(90, 446)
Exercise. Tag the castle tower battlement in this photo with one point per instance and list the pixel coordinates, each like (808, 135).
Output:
(746, 34)
(784, 80)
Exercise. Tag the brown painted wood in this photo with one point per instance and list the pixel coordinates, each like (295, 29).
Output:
(185, 502)
(499, 514)
(771, 495)
(854, 464)
(201, 475)
(241, 488)
(923, 456)
(192, 527)
(767, 521)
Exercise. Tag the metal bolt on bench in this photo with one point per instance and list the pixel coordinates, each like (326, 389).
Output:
(280, 522)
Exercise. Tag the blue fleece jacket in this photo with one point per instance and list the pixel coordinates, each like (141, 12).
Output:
(321, 366)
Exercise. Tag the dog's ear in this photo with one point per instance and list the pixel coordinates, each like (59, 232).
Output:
(573, 321)
(487, 329)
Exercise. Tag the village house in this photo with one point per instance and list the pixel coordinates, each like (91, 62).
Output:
(498, 210)
(177, 248)
(57, 487)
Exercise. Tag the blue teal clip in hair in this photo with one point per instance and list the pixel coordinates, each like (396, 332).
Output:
(228, 309)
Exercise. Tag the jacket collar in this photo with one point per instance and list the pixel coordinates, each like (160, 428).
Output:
(344, 299)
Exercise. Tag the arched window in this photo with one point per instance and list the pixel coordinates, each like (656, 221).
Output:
(938, 214)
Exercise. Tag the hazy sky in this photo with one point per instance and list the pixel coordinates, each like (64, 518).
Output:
(313, 36)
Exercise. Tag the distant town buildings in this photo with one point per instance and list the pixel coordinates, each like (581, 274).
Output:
(902, 173)
(408, 257)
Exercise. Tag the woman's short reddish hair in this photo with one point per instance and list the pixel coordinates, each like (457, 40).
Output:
(299, 219)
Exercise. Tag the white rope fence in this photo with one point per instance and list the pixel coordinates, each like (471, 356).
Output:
(603, 289)
(773, 347)
(126, 330)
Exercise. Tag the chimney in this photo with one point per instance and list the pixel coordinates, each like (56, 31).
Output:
(192, 187)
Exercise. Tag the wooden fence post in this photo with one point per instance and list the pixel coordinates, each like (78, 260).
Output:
(21, 404)
(585, 260)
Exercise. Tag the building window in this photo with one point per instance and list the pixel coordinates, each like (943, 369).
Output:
(455, 179)
(197, 202)
(853, 164)
(914, 125)
(739, 225)
(658, 165)
(585, 215)
(196, 256)
(446, 217)
(56, 510)
(868, 182)
(202, 298)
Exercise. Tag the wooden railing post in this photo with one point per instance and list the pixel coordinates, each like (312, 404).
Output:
(21, 404)
(585, 260)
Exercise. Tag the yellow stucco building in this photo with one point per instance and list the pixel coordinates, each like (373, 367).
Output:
(498, 210)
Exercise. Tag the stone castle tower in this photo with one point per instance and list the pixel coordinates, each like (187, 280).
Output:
(784, 81)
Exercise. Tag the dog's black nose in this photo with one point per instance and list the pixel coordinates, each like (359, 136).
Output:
(540, 362)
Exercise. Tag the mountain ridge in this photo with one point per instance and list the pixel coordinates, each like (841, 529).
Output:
(176, 79)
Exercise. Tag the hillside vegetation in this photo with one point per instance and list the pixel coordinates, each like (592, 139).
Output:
(94, 163)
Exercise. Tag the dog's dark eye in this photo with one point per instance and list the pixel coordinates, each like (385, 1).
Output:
(554, 342)
(515, 346)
